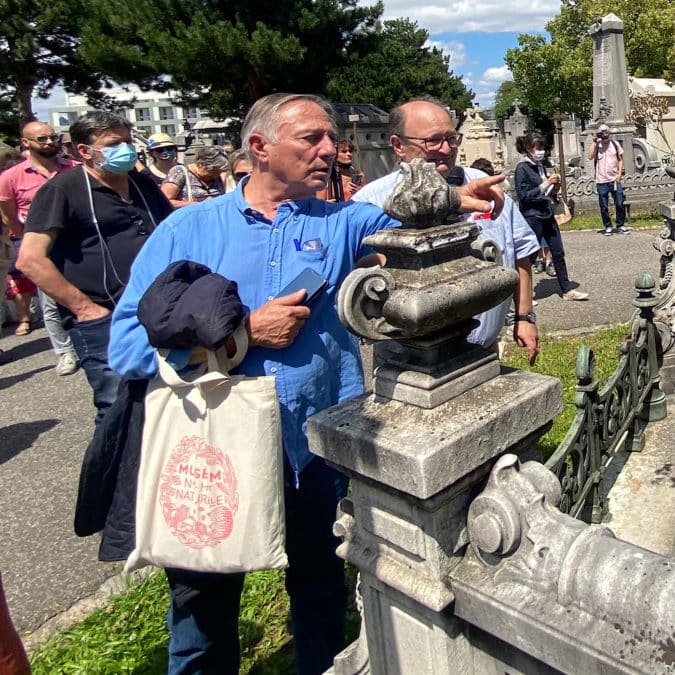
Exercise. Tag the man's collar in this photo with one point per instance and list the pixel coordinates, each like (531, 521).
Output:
(295, 206)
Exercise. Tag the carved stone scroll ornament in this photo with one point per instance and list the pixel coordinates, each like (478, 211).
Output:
(361, 301)
(543, 563)
(437, 274)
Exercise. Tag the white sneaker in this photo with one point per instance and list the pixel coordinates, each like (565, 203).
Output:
(575, 295)
(623, 230)
(67, 364)
(608, 232)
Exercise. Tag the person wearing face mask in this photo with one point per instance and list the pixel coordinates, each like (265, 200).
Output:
(197, 181)
(164, 154)
(535, 189)
(607, 156)
(83, 231)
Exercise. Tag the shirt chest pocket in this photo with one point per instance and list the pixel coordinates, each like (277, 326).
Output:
(314, 257)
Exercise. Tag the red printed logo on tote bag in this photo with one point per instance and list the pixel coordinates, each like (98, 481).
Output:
(198, 493)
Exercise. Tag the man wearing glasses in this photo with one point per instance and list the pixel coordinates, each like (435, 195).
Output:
(18, 186)
(423, 128)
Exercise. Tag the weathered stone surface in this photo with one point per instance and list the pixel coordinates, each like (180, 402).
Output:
(421, 452)
(567, 593)
(642, 494)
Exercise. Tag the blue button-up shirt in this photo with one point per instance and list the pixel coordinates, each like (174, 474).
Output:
(322, 367)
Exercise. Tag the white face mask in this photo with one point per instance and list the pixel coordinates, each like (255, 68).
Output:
(538, 155)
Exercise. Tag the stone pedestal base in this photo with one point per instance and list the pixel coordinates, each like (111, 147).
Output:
(428, 387)
(422, 451)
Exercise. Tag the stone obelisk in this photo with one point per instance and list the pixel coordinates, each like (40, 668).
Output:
(611, 102)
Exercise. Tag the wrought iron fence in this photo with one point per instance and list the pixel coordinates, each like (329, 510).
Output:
(612, 415)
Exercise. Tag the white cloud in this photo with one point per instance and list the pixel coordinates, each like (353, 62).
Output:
(487, 16)
(497, 75)
(459, 56)
(486, 86)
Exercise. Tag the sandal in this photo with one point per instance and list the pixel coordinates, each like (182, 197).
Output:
(23, 328)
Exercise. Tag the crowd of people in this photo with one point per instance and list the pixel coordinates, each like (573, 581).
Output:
(96, 228)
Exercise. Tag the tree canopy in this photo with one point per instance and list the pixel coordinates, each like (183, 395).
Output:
(38, 49)
(395, 67)
(218, 54)
(563, 65)
(506, 97)
(223, 55)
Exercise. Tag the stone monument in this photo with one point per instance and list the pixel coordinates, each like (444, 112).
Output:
(611, 101)
(461, 574)
(479, 141)
(516, 125)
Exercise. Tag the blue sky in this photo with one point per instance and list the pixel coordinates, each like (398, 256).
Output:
(474, 33)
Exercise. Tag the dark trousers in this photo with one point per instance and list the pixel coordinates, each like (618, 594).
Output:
(616, 190)
(204, 612)
(547, 228)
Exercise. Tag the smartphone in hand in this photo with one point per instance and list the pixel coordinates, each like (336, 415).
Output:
(308, 279)
(357, 178)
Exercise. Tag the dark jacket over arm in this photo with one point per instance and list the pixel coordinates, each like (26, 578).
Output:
(186, 306)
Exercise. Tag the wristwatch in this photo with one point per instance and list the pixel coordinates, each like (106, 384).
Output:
(530, 317)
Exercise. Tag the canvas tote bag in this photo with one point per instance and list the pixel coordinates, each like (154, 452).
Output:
(210, 487)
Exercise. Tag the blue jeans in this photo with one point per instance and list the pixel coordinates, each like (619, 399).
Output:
(90, 339)
(204, 611)
(547, 229)
(604, 190)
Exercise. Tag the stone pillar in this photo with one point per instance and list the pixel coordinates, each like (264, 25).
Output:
(423, 444)
(611, 102)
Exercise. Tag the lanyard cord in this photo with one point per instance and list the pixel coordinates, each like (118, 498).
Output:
(103, 244)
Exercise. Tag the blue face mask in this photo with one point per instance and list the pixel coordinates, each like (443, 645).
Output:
(118, 158)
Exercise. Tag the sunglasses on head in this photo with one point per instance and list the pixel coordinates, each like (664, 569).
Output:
(44, 139)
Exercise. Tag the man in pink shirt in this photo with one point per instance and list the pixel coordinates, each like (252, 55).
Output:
(607, 156)
(18, 186)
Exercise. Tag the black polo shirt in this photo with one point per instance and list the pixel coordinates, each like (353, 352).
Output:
(96, 262)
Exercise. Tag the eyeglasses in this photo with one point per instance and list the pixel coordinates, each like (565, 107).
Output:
(43, 139)
(436, 142)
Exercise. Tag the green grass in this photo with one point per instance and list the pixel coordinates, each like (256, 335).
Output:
(558, 358)
(130, 636)
(640, 221)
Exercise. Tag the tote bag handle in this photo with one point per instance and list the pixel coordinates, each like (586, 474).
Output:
(218, 364)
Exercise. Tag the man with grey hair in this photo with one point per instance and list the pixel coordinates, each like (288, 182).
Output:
(263, 235)
(84, 229)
